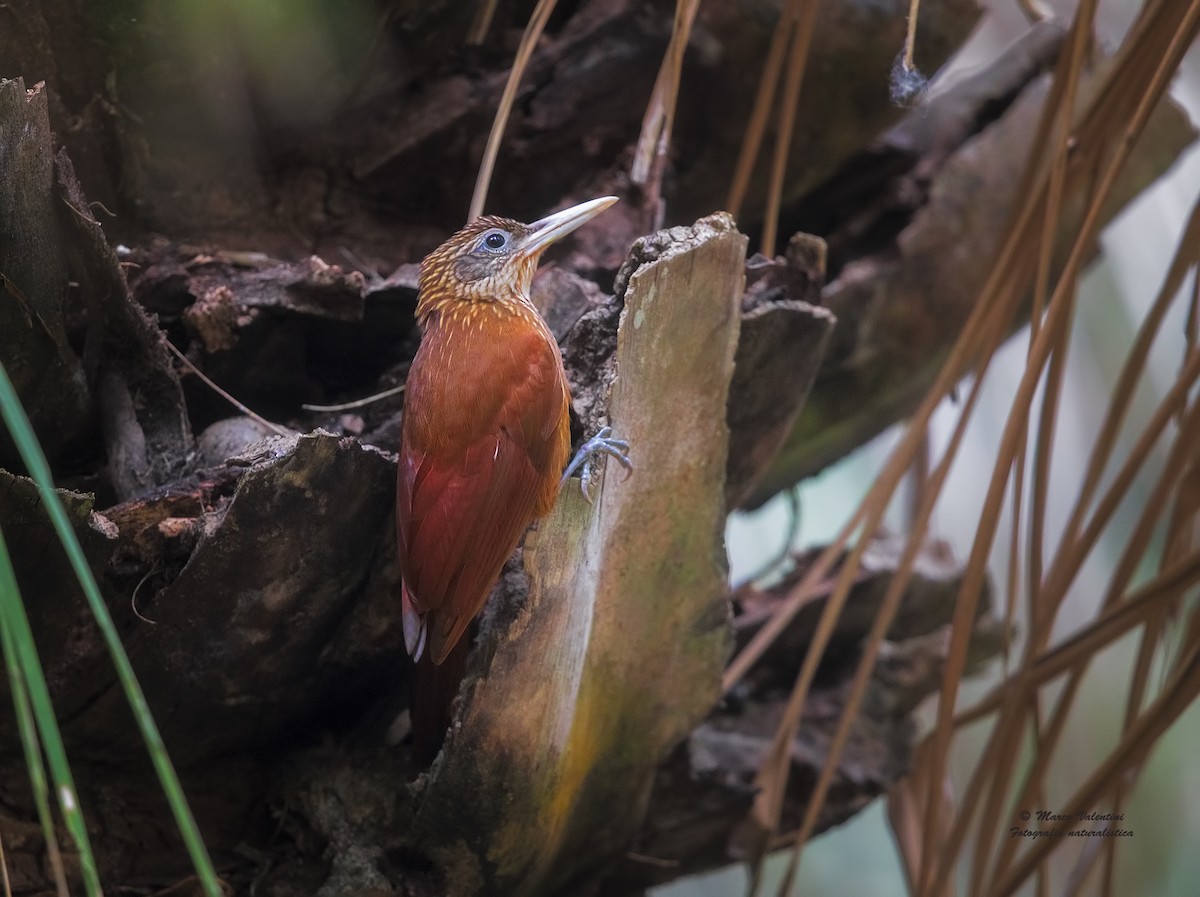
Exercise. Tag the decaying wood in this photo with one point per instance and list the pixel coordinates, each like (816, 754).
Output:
(254, 581)
(144, 423)
(33, 277)
(381, 109)
(529, 795)
(784, 334)
(56, 271)
(332, 662)
(949, 174)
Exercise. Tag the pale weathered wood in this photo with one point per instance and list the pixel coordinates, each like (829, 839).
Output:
(618, 650)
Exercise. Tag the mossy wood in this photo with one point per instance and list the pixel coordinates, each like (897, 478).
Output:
(619, 649)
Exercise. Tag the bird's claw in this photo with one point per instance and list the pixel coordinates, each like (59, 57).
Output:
(600, 444)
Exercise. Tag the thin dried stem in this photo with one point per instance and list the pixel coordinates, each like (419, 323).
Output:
(533, 33)
(1177, 696)
(1034, 10)
(798, 58)
(975, 569)
(274, 428)
(650, 153)
(760, 114)
(358, 403)
(910, 35)
(1013, 585)
(485, 12)
(1070, 75)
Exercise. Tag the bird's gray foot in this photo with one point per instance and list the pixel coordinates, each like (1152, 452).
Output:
(600, 444)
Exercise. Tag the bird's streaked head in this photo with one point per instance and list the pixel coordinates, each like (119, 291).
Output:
(493, 259)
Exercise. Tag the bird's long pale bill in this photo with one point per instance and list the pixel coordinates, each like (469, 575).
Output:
(553, 227)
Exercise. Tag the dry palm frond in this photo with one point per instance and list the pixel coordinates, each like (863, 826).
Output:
(1080, 153)
(1050, 594)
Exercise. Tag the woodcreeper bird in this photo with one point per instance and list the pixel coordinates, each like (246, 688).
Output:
(485, 437)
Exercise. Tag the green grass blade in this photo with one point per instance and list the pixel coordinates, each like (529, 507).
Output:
(25, 676)
(26, 725)
(26, 442)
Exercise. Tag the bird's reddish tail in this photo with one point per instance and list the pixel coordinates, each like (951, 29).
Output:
(434, 687)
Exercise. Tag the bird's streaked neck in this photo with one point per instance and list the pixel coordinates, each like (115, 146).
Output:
(434, 306)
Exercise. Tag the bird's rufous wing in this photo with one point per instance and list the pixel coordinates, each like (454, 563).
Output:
(462, 505)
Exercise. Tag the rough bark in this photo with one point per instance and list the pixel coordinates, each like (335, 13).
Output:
(363, 125)
(262, 642)
(254, 580)
(33, 274)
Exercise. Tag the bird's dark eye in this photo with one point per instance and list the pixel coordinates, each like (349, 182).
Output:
(494, 241)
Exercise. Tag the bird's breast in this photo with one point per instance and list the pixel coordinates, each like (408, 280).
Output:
(482, 368)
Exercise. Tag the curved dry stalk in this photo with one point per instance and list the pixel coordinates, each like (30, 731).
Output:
(358, 403)
(975, 569)
(1177, 696)
(761, 112)
(1068, 74)
(877, 635)
(258, 418)
(482, 23)
(1064, 122)
(650, 153)
(910, 35)
(798, 58)
(1034, 10)
(533, 32)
